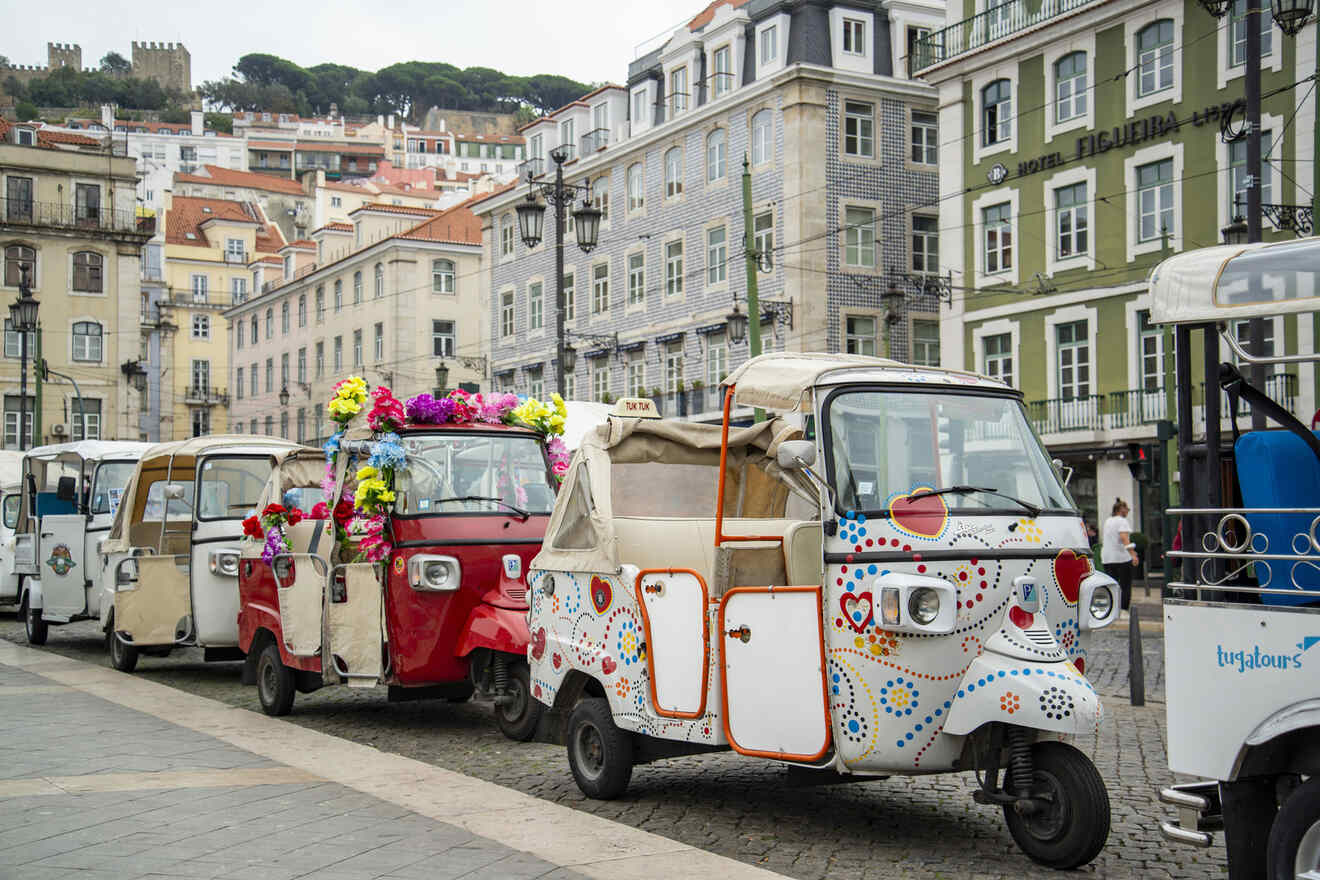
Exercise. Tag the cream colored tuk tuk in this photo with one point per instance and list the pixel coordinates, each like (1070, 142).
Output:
(170, 564)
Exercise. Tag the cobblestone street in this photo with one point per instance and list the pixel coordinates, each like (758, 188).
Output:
(752, 810)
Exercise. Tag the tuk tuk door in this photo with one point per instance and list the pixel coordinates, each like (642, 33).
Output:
(773, 672)
(227, 490)
(63, 564)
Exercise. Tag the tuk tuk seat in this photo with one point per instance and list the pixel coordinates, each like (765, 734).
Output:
(1278, 469)
(313, 537)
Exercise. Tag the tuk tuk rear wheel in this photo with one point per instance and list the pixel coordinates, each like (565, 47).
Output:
(518, 714)
(276, 686)
(34, 627)
(599, 753)
(1072, 825)
(1294, 844)
(123, 656)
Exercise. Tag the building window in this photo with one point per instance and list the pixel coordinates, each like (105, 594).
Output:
(234, 250)
(253, 380)
(1154, 200)
(1071, 222)
(270, 375)
(636, 279)
(996, 113)
(1070, 86)
(201, 326)
(761, 132)
(357, 348)
(302, 425)
(763, 233)
(674, 268)
(716, 255)
(357, 287)
(238, 333)
(636, 376)
(284, 370)
(238, 383)
(238, 290)
(302, 364)
(380, 281)
(1155, 57)
(926, 343)
(674, 173)
(717, 359)
(535, 306)
(998, 357)
(270, 323)
(998, 238)
(13, 404)
(284, 424)
(336, 202)
(1150, 348)
(199, 285)
(442, 276)
(18, 257)
(338, 355)
(716, 145)
(568, 298)
(769, 45)
(636, 188)
(302, 310)
(673, 366)
(87, 203)
(201, 377)
(723, 71)
(600, 378)
(639, 108)
(18, 199)
(859, 241)
(87, 336)
(1074, 360)
(339, 296)
(442, 338)
(859, 335)
(378, 350)
(1238, 31)
(320, 359)
(600, 289)
(600, 196)
(678, 91)
(570, 386)
(1237, 175)
(87, 276)
(925, 244)
(506, 314)
(320, 305)
(536, 382)
(86, 415)
(270, 426)
(285, 317)
(859, 129)
(506, 236)
(854, 36)
(925, 138)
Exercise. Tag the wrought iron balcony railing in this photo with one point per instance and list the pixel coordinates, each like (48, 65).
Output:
(596, 139)
(996, 23)
(26, 212)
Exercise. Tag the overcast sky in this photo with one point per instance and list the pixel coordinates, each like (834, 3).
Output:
(588, 40)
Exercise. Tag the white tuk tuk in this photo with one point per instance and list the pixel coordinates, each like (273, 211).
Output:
(11, 488)
(920, 604)
(1242, 672)
(170, 564)
(70, 493)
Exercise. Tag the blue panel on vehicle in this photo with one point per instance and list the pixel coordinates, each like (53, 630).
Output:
(49, 505)
(1277, 469)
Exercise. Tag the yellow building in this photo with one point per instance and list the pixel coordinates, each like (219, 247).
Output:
(67, 223)
(212, 250)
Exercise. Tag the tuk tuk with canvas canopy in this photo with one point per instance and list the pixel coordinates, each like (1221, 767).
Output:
(11, 497)
(70, 493)
(920, 603)
(171, 560)
(1240, 626)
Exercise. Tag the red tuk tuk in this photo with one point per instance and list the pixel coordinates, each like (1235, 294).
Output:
(429, 599)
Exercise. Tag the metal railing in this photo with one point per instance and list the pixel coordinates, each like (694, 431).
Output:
(534, 166)
(721, 83)
(1235, 554)
(67, 216)
(996, 23)
(676, 103)
(206, 397)
(596, 139)
(231, 257)
(1279, 387)
(569, 150)
(1128, 409)
(1059, 414)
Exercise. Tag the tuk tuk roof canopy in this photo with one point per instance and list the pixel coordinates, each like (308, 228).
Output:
(1236, 282)
(778, 381)
(83, 450)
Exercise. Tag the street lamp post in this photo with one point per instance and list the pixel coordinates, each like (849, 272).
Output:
(23, 315)
(531, 222)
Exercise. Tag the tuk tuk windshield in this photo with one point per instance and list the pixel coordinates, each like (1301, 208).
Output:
(884, 444)
(108, 485)
(229, 487)
(473, 473)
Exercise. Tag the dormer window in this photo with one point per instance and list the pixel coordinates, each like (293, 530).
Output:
(769, 45)
(854, 36)
(723, 74)
(191, 236)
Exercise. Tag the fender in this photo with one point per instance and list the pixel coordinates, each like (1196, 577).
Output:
(500, 629)
(1041, 696)
(32, 589)
(1305, 713)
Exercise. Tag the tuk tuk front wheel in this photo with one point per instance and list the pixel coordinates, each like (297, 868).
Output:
(34, 627)
(599, 753)
(1071, 822)
(276, 687)
(517, 711)
(123, 656)
(1294, 845)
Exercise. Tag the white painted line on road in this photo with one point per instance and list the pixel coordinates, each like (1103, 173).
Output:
(99, 782)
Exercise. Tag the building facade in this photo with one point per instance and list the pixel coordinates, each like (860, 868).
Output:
(389, 297)
(67, 222)
(806, 94)
(1080, 143)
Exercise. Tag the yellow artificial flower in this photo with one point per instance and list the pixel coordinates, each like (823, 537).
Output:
(557, 424)
(366, 472)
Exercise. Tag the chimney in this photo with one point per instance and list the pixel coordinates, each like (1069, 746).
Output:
(108, 116)
(197, 122)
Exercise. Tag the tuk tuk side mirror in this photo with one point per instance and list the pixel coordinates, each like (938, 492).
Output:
(796, 454)
(66, 489)
(11, 508)
(1065, 473)
(174, 492)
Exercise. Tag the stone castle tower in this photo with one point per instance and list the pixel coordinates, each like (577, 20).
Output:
(64, 55)
(169, 64)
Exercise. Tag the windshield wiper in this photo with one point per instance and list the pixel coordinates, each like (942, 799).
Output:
(1033, 509)
(518, 511)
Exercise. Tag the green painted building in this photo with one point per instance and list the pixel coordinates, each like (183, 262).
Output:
(1080, 142)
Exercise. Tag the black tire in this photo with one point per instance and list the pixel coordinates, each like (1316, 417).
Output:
(36, 629)
(1074, 829)
(276, 685)
(123, 656)
(599, 753)
(518, 717)
(1294, 845)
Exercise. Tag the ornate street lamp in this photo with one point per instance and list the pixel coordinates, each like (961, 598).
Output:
(1236, 231)
(586, 219)
(23, 315)
(135, 373)
(284, 395)
(569, 355)
(892, 299)
(736, 323)
(531, 220)
(1217, 8)
(1291, 14)
(441, 379)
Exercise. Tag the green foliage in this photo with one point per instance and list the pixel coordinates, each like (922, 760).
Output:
(113, 62)
(222, 122)
(67, 87)
(175, 115)
(26, 111)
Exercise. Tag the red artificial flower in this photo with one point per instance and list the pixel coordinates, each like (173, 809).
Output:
(343, 511)
(273, 510)
(295, 516)
(252, 528)
(319, 511)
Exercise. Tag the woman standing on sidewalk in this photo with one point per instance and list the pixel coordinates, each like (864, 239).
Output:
(1117, 552)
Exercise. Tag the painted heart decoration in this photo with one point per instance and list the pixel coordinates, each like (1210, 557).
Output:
(538, 644)
(557, 661)
(1021, 619)
(924, 516)
(1069, 569)
(601, 594)
(608, 665)
(857, 609)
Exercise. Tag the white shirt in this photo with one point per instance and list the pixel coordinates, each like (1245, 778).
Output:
(1112, 548)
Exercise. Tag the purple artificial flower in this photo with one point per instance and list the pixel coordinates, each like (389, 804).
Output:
(424, 409)
(274, 545)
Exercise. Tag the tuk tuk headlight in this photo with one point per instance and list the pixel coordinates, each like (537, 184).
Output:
(1095, 603)
(434, 573)
(924, 605)
(1102, 602)
(223, 562)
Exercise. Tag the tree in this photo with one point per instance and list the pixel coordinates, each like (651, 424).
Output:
(26, 111)
(115, 63)
(4, 60)
(222, 122)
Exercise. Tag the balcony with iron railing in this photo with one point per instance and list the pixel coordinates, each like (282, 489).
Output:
(205, 396)
(1282, 388)
(534, 166)
(996, 23)
(29, 213)
(596, 139)
(677, 103)
(240, 257)
(721, 84)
